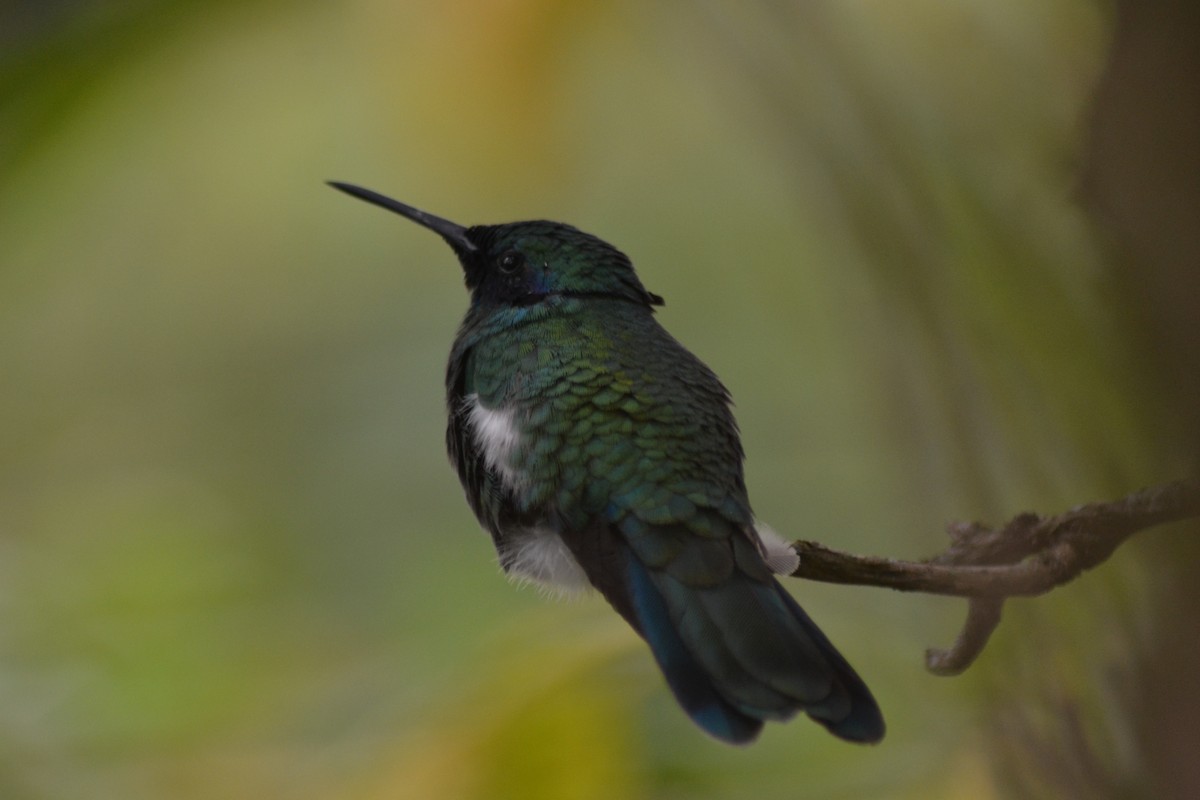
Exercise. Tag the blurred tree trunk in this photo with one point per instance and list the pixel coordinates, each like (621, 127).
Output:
(1142, 179)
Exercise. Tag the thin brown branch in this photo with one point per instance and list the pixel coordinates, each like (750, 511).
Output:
(1027, 557)
(983, 616)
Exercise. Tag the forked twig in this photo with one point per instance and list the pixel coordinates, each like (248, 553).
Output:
(1027, 557)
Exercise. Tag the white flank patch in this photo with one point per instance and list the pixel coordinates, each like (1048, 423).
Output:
(540, 556)
(777, 552)
(496, 435)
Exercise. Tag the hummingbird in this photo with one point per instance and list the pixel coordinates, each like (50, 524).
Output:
(595, 449)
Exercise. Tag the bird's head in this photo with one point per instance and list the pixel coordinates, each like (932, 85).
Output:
(524, 263)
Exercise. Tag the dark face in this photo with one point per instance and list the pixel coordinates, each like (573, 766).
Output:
(523, 263)
(511, 264)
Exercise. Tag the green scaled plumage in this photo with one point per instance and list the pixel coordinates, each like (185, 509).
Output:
(615, 417)
(596, 449)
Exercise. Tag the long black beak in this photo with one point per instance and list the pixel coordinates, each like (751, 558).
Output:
(454, 234)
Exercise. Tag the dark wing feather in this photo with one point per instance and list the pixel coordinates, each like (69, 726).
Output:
(736, 651)
(628, 586)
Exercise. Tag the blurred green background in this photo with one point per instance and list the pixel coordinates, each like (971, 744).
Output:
(233, 560)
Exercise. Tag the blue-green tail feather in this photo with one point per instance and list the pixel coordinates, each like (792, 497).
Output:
(744, 652)
(691, 685)
(864, 721)
(736, 651)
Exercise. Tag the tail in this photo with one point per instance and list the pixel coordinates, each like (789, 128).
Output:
(738, 651)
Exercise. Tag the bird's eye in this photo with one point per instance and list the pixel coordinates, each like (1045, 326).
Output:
(510, 262)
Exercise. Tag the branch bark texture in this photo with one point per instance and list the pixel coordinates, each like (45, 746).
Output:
(1028, 556)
